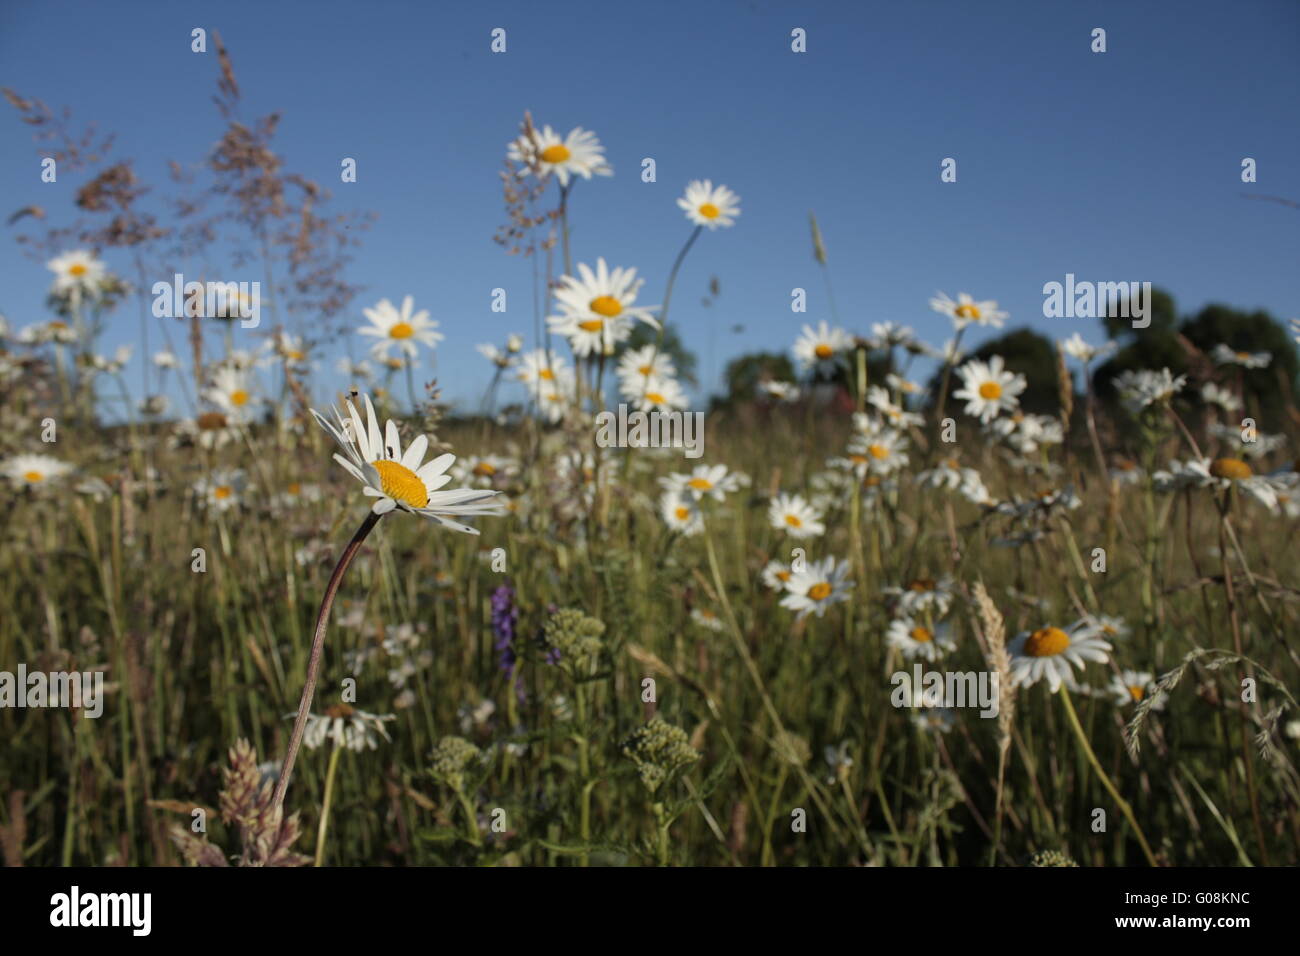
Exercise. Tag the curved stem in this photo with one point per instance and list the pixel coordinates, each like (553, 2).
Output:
(325, 806)
(1105, 780)
(317, 651)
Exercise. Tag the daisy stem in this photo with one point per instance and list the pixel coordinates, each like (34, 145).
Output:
(1105, 780)
(947, 373)
(668, 296)
(325, 805)
(317, 651)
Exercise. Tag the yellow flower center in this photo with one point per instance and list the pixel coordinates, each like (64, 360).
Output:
(823, 351)
(402, 330)
(921, 585)
(546, 373)
(990, 390)
(952, 463)
(1241, 355)
(878, 451)
(783, 575)
(339, 710)
(655, 398)
(820, 591)
(485, 469)
(1136, 691)
(700, 484)
(968, 310)
(401, 484)
(33, 476)
(77, 269)
(210, 421)
(921, 635)
(555, 154)
(294, 488)
(1233, 469)
(645, 369)
(239, 398)
(793, 521)
(1047, 642)
(708, 210)
(592, 325)
(682, 513)
(606, 305)
(222, 492)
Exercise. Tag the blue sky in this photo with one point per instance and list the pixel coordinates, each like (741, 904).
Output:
(1116, 166)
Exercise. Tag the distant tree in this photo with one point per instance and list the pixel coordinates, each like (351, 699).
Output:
(1186, 349)
(744, 372)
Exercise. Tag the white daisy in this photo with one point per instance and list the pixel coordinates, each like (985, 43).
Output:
(915, 640)
(597, 309)
(923, 596)
(1224, 355)
(1050, 652)
(637, 366)
(578, 154)
(709, 205)
(817, 587)
(34, 471)
(543, 368)
(222, 489)
(786, 392)
(1132, 687)
(681, 512)
(888, 335)
(77, 273)
(707, 619)
(988, 388)
(232, 392)
(1081, 351)
(776, 574)
(893, 412)
(658, 394)
(501, 359)
(966, 311)
(404, 328)
(713, 481)
(823, 349)
(1212, 394)
(485, 471)
(400, 481)
(346, 727)
(794, 516)
(1142, 388)
(165, 358)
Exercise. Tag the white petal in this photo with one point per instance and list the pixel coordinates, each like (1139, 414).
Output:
(415, 453)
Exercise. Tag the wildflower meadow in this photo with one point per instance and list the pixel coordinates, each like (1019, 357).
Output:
(1018, 590)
